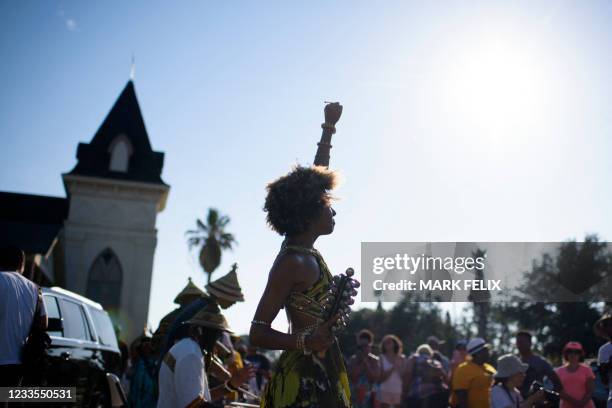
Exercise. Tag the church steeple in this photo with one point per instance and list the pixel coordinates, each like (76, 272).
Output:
(120, 149)
(115, 192)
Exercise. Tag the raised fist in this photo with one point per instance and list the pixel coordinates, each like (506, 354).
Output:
(333, 111)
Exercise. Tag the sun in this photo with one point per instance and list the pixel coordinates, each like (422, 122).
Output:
(496, 86)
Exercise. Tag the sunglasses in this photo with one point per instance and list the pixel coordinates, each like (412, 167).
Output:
(573, 351)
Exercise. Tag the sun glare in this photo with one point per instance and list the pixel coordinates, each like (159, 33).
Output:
(496, 86)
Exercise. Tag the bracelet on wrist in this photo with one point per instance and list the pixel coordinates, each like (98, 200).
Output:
(329, 126)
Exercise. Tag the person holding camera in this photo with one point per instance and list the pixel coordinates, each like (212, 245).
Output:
(510, 375)
(577, 378)
(427, 381)
(538, 369)
(363, 371)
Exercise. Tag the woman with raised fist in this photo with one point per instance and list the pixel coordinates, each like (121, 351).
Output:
(310, 372)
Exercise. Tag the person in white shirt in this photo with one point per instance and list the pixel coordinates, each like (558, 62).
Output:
(20, 297)
(183, 373)
(603, 327)
(510, 375)
(392, 369)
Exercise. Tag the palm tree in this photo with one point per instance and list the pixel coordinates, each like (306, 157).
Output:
(211, 239)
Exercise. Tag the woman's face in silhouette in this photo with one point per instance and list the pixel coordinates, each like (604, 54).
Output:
(324, 223)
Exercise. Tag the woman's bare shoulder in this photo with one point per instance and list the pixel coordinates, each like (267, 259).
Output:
(287, 264)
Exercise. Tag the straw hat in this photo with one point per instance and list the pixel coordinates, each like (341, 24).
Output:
(508, 365)
(189, 290)
(210, 317)
(227, 287)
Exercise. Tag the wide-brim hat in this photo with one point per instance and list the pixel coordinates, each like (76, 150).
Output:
(227, 287)
(476, 345)
(189, 290)
(598, 326)
(508, 365)
(211, 319)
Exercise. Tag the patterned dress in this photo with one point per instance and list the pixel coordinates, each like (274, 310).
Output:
(309, 380)
(362, 392)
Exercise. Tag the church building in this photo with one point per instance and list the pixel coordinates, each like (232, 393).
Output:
(100, 240)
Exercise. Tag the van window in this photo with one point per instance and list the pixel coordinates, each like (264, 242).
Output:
(75, 326)
(52, 312)
(104, 327)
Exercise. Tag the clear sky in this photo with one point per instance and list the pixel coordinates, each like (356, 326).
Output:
(463, 121)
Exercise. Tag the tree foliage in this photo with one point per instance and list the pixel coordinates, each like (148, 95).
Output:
(585, 265)
(410, 320)
(577, 268)
(211, 239)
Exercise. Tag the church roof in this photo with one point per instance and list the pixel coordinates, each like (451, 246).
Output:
(31, 222)
(125, 118)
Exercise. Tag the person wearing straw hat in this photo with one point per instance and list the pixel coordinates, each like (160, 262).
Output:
(183, 378)
(603, 328)
(185, 297)
(223, 292)
(510, 375)
(226, 290)
(472, 380)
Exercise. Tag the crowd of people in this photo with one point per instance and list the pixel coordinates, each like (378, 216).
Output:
(472, 378)
(193, 358)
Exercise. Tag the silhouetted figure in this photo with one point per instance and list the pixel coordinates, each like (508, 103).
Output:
(22, 312)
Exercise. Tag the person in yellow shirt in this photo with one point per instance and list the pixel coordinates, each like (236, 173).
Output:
(473, 379)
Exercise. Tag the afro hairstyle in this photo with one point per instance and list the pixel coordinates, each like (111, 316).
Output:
(295, 200)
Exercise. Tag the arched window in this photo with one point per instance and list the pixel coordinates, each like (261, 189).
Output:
(120, 151)
(104, 281)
